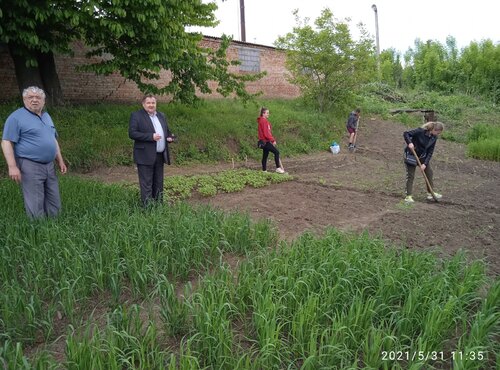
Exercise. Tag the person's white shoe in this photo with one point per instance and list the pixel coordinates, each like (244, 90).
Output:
(409, 199)
(280, 170)
(437, 195)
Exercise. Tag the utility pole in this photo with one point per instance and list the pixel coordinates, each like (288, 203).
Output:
(374, 7)
(242, 20)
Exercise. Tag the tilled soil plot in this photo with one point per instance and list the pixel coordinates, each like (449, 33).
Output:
(363, 191)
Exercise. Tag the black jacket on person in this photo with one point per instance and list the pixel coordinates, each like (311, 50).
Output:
(423, 141)
(352, 120)
(141, 130)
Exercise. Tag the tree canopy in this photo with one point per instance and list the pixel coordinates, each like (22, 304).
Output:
(137, 38)
(325, 61)
(433, 66)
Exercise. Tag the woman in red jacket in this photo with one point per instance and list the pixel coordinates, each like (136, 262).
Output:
(267, 142)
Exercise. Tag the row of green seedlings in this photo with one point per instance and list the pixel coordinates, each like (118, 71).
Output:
(330, 302)
(51, 270)
(182, 187)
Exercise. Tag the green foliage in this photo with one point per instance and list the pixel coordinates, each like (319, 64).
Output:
(391, 70)
(459, 112)
(93, 136)
(324, 60)
(467, 119)
(479, 67)
(483, 132)
(222, 130)
(484, 142)
(29, 27)
(182, 187)
(485, 149)
(432, 66)
(96, 137)
(135, 38)
(486, 322)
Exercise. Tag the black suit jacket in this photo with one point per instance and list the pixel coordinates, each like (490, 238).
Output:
(141, 130)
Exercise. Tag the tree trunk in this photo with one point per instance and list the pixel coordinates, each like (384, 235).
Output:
(26, 76)
(50, 78)
(44, 75)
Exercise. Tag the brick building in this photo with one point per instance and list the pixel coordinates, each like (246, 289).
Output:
(89, 87)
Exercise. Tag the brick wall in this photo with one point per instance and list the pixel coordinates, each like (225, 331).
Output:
(88, 87)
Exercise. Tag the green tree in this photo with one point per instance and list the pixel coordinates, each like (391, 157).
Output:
(391, 69)
(451, 72)
(443, 68)
(430, 62)
(480, 69)
(433, 66)
(408, 76)
(325, 62)
(33, 31)
(137, 38)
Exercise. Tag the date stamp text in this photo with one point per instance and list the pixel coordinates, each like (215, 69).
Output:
(434, 356)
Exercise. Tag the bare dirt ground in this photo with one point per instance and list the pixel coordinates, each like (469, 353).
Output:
(363, 191)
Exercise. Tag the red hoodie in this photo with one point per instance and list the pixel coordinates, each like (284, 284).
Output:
(264, 130)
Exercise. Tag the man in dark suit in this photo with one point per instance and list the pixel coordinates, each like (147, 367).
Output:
(149, 130)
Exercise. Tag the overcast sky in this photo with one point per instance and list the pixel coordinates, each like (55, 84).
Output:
(400, 21)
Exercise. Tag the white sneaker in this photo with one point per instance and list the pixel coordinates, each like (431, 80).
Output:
(280, 170)
(409, 199)
(437, 195)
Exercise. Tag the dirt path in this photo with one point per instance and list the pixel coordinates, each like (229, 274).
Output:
(363, 191)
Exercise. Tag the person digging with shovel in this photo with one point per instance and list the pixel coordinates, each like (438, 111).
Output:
(422, 141)
(352, 128)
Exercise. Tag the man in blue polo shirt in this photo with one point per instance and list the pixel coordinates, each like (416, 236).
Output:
(29, 144)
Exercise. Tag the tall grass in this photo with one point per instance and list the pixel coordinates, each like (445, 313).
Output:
(485, 149)
(484, 142)
(336, 301)
(214, 130)
(103, 242)
(217, 130)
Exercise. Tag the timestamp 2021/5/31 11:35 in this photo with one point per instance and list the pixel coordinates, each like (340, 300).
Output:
(434, 355)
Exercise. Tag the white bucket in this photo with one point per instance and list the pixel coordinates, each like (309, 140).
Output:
(335, 149)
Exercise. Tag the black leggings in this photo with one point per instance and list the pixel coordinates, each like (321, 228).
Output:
(265, 153)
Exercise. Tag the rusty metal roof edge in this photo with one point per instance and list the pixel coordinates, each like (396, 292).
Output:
(242, 43)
